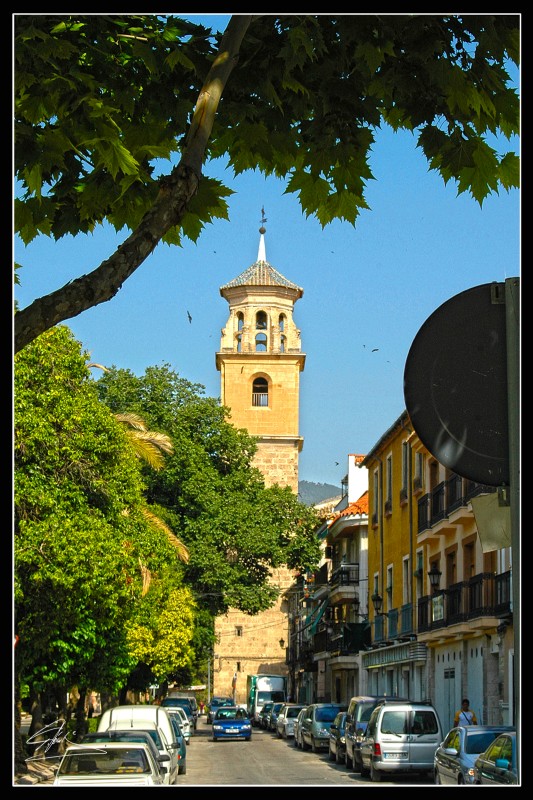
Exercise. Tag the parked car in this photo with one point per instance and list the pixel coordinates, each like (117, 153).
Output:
(456, 755)
(298, 727)
(182, 702)
(401, 737)
(285, 721)
(497, 765)
(144, 736)
(193, 703)
(231, 722)
(314, 732)
(360, 708)
(108, 764)
(180, 739)
(272, 717)
(337, 739)
(214, 704)
(264, 714)
(183, 720)
(128, 717)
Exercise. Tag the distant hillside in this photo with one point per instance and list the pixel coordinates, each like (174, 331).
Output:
(311, 493)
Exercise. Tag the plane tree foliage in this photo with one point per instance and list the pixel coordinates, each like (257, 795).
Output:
(88, 564)
(237, 531)
(119, 117)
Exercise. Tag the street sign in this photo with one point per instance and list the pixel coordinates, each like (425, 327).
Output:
(455, 385)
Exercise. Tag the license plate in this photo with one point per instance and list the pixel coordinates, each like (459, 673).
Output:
(233, 730)
(395, 756)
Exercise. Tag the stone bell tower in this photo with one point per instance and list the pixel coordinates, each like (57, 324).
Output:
(260, 361)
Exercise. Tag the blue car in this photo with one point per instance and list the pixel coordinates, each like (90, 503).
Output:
(231, 722)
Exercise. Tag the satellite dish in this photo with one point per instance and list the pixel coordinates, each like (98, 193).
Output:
(455, 385)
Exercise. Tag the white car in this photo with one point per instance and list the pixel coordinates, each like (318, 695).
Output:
(129, 717)
(108, 764)
(183, 720)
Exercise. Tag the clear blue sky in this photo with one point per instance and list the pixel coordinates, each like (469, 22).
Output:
(372, 286)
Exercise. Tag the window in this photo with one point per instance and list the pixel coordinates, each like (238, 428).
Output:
(260, 392)
(239, 342)
(388, 478)
(405, 465)
(418, 481)
(240, 321)
(261, 321)
(261, 343)
(282, 344)
(375, 503)
(282, 322)
(238, 630)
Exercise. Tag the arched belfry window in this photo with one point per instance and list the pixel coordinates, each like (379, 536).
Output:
(261, 343)
(261, 321)
(282, 343)
(239, 342)
(282, 322)
(240, 321)
(260, 392)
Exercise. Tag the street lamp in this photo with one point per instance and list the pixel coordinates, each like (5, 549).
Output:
(356, 605)
(377, 600)
(434, 576)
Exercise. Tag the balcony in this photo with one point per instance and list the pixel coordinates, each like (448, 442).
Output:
(484, 595)
(447, 499)
(342, 638)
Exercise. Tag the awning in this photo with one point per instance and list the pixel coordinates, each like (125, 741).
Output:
(319, 613)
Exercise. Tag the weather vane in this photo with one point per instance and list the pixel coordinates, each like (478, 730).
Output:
(263, 220)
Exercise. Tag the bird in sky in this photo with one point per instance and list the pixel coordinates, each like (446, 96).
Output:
(189, 316)
(375, 349)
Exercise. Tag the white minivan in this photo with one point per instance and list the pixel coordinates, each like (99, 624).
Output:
(401, 737)
(132, 716)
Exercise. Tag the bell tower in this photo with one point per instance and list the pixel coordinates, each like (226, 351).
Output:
(260, 361)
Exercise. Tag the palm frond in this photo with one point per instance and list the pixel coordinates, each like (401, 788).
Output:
(181, 549)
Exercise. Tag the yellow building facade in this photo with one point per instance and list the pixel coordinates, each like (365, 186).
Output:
(260, 361)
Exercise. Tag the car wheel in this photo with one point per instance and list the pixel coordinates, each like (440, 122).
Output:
(375, 775)
(347, 760)
(215, 738)
(305, 746)
(278, 734)
(314, 748)
(182, 769)
(364, 770)
(436, 778)
(339, 759)
(356, 764)
(331, 756)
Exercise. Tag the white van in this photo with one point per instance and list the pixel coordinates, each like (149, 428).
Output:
(401, 737)
(132, 716)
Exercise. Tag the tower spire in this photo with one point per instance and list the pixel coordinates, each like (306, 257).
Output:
(261, 255)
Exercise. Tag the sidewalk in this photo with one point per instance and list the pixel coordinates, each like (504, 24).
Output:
(38, 772)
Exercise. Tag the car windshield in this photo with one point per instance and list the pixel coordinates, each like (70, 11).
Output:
(110, 761)
(293, 712)
(326, 714)
(230, 713)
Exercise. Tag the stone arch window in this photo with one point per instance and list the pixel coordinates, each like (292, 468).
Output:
(282, 322)
(261, 343)
(240, 320)
(239, 342)
(282, 343)
(260, 392)
(261, 321)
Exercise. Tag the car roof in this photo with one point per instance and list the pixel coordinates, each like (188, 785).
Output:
(81, 748)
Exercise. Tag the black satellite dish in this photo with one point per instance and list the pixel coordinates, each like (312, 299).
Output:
(455, 385)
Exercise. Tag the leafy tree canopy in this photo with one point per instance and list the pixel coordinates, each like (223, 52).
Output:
(83, 544)
(103, 102)
(236, 530)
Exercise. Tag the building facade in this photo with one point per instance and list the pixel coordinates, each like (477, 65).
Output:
(260, 361)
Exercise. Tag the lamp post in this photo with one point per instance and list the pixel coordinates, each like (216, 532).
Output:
(434, 576)
(377, 601)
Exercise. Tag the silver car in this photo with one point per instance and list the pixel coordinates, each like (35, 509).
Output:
(456, 755)
(286, 719)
